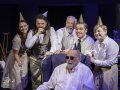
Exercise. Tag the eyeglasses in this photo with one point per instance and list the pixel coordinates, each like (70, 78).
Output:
(70, 57)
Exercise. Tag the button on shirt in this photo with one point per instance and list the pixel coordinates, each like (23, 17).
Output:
(105, 53)
(81, 78)
(86, 44)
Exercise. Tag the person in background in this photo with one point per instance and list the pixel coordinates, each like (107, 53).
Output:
(16, 68)
(72, 75)
(66, 35)
(41, 41)
(104, 56)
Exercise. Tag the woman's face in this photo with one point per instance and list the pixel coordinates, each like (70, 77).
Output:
(23, 27)
(100, 34)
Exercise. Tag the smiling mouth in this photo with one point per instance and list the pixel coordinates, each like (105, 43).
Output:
(70, 63)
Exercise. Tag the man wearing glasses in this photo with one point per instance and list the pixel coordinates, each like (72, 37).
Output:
(72, 75)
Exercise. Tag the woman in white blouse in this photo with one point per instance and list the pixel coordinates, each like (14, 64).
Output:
(104, 56)
(42, 42)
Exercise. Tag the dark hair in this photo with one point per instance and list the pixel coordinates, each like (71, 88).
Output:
(40, 16)
(85, 24)
(19, 32)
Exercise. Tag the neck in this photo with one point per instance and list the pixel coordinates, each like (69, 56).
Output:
(24, 35)
(69, 69)
(101, 40)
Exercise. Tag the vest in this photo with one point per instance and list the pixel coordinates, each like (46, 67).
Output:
(39, 49)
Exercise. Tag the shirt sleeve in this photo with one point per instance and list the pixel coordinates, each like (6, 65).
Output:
(16, 42)
(59, 34)
(53, 39)
(51, 83)
(31, 39)
(111, 56)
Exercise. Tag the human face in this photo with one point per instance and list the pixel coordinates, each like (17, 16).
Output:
(100, 34)
(23, 27)
(72, 59)
(80, 30)
(40, 23)
(70, 23)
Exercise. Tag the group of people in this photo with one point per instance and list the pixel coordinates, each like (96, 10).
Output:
(80, 49)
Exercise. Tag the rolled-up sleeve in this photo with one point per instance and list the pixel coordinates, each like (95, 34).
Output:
(16, 43)
(59, 34)
(31, 39)
(53, 39)
(111, 56)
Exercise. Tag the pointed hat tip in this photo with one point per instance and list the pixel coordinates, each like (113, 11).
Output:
(81, 19)
(21, 16)
(99, 21)
(45, 14)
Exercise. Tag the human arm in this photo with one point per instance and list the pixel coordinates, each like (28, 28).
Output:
(53, 40)
(31, 39)
(16, 43)
(110, 53)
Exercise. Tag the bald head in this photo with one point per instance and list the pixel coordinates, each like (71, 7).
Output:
(74, 53)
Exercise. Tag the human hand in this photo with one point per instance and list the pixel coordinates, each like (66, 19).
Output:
(19, 63)
(48, 53)
(40, 30)
(65, 51)
(92, 59)
(58, 51)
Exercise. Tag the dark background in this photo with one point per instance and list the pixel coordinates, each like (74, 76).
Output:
(57, 13)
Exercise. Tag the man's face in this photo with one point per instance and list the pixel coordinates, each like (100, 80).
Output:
(70, 24)
(100, 34)
(40, 23)
(72, 59)
(80, 30)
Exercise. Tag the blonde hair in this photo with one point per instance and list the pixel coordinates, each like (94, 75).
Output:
(101, 26)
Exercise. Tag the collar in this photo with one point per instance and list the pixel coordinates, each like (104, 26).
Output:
(74, 69)
(104, 41)
(82, 39)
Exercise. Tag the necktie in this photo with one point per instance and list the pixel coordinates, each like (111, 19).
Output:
(79, 45)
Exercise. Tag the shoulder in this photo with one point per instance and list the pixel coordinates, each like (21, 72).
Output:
(90, 38)
(17, 38)
(31, 31)
(61, 29)
(52, 29)
(112, 43)
(61, 67)
(83, 67)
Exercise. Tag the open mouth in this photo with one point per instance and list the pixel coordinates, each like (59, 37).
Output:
(70, 63)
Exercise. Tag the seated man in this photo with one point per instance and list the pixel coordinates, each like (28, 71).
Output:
(73, 75)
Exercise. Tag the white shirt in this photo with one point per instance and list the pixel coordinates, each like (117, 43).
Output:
(86, 44)
(65, 40)
(81, 78)
(106, 53)
(31, 39)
